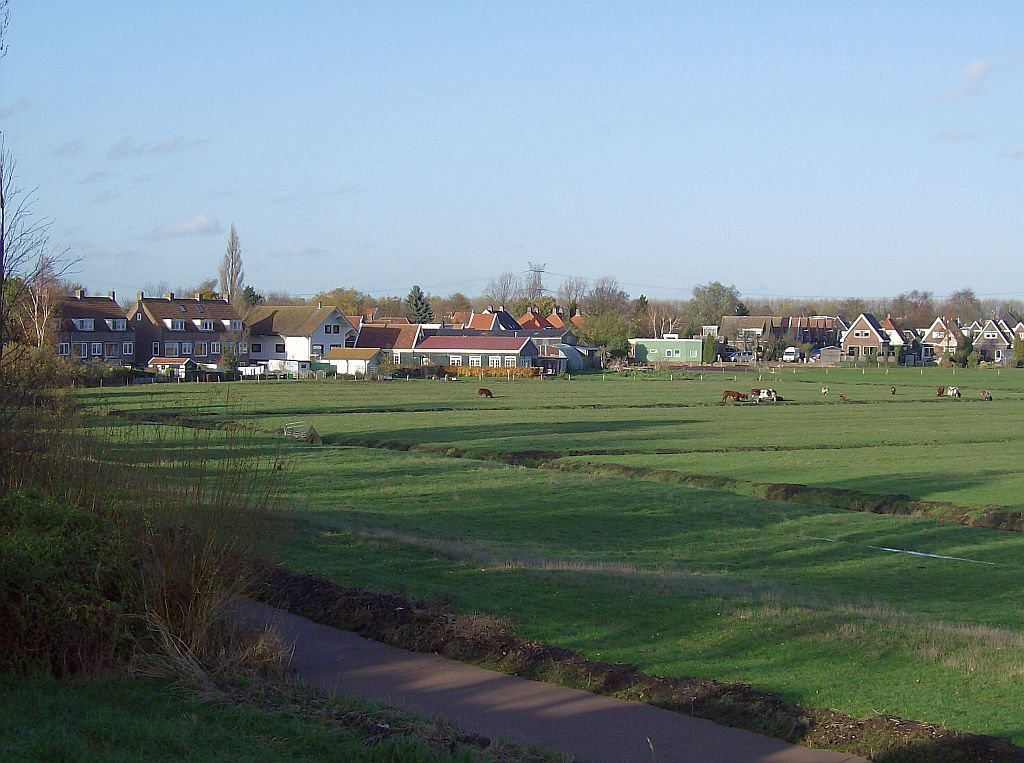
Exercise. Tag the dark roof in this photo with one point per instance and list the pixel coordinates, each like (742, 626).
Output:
(288, 320)
(482, 343)
(164, 308)
(104, 308)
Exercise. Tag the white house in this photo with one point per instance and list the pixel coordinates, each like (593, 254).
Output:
(283, 337)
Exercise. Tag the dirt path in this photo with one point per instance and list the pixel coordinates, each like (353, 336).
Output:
(588, 726)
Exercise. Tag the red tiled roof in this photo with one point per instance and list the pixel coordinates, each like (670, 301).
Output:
(555, 321)
(394, 337)
(482, 343)
(482, 321)
(534, 321)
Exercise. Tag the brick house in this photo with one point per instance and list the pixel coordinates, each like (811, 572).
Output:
(94, 329)
(866, 340)
(993, 342)
(208, 330)
(943, 337)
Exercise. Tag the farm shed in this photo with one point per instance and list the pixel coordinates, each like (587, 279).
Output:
(668, 349)
(354, 360)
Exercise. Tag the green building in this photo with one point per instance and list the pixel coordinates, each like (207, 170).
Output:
(668, 349)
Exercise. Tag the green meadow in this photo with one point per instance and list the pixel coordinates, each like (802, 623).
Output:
(818, 603)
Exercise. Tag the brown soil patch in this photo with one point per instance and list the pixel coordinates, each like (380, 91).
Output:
(486, 639)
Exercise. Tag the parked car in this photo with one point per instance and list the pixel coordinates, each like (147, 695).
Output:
(743, 356)
(792, 355)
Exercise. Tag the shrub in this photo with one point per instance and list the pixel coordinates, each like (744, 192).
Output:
(62, 573)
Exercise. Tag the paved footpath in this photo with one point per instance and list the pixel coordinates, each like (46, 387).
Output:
(588, 726)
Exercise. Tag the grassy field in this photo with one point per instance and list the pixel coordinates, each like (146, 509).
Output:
(805, 600)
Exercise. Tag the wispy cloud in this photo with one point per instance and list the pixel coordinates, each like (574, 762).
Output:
(20, 105)
(177, 143)
(1012, 153)
(71, 148)
(127, 146)
(967, 84)
(200, 225)
(303, 252)
(958, 136)
(92, 177)
(104, 196)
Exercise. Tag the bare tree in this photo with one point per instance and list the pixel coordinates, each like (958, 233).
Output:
(606, 296)
(231, 273)
(663, 317)
(503, 289)
(572, 291)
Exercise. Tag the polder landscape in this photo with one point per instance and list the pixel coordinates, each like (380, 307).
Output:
(860, 556)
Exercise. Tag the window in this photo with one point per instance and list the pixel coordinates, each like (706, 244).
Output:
(64, 348)
(939, 334)
(200, 309)
(128, 349)
(215, 348)
(97, 348)
(110, 349)
(425, 360)
(170, 349)
(397, 358)
(318, 349)
(474, 360)
(653, 351)
(257, 347)
(200, 349)
(117, 324)
(207, 326)
(990, 335)
(156, 349)
(236, 325)
(455, 360)
(177, 325)
(243, 348)
(181, 308)
(511, 361)
(494, 361)
(83, 350)
(278, 348)
(84, 324)
(186, 348)
(138, 316)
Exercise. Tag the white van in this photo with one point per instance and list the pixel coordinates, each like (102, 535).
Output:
(792, 355)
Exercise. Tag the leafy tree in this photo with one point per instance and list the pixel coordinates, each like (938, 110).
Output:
(230, 271)
(604, 328)
(710, 349)
(713, 300)
(251, 297)
(418, 306)
(1018, 352)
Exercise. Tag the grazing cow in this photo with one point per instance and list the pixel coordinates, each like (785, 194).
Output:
(824, 391)
(484, 392)
(731, 395)
(986, 395)
(953, 392)
(768, 394)
(940, 391)
(842, 398)
(892, 390)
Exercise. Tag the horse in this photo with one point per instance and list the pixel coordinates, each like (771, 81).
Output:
(733, 395)
(484, 392)
(824, 391)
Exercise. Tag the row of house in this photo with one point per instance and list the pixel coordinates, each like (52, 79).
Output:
(865, 338)
(206, 332)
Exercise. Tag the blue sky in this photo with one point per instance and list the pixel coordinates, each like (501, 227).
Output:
(789, 148)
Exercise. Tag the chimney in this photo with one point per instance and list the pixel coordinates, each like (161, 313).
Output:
(169, 295)
(111, 295)
(199, 297)
(319, 305)
(501, 308)
(139, 296)
(79, 293)
(490, 308)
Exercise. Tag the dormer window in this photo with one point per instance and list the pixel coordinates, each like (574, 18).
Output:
(236, 325)
(117, 324)
(200, 309)
(207, 325)
(177, 325)
(85, 324)
(181, 308)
